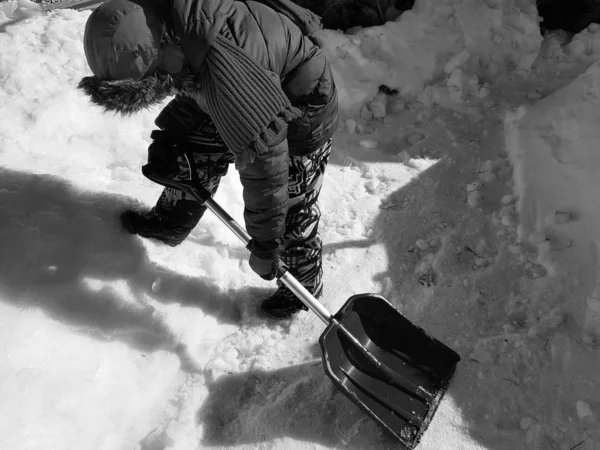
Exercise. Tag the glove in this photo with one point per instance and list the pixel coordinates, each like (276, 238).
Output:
(162, 154)
(264, 258)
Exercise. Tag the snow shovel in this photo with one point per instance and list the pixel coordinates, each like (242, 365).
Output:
(389, 367)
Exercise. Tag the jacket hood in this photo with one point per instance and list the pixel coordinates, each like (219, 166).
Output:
(135, 59)
(122, 39)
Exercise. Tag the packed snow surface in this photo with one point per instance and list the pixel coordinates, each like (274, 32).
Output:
(468, 199)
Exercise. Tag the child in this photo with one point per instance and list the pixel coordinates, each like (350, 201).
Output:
(252, 88)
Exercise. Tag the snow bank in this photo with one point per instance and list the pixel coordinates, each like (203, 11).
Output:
(437, 40)
(553, 145)
(560, 51)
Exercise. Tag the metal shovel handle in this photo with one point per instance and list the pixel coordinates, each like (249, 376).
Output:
(197, 191)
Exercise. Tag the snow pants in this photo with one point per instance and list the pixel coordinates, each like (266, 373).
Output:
(302, 247)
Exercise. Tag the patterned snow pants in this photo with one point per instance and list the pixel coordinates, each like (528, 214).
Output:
(302, 247)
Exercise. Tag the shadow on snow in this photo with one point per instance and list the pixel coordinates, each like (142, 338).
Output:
(296, 402)
(60, 245)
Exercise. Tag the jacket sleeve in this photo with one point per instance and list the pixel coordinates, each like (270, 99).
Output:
(265, 190)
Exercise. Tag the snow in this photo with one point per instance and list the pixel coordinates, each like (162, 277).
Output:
(490, 38)
(469, 200)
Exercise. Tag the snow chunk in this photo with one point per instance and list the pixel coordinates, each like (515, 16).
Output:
(422, 245)
(396, 105)
(456, 62)
(525, 423)
(474, 198)
(371, 186)
(365, 113)
(351, 126)
(591, 323)
(378, 106)
(506, 200)
(471, 187)
(415, 137)
(481, 356)
(584, 412)
(369, 144)
(226, 361)
(516, 248)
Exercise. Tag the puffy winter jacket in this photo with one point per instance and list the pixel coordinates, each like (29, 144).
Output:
(279, 46)
(306, 78)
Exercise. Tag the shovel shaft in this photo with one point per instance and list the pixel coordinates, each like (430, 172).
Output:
(286, 278)
(307, 298)
(229, 222)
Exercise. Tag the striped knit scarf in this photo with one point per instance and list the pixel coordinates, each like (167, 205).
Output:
(247, 105)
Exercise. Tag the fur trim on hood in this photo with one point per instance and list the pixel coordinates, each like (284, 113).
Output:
(128, 97)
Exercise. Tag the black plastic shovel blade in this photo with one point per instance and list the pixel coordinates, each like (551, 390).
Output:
(421, 366)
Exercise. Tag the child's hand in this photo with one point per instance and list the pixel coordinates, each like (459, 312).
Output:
(264, 258)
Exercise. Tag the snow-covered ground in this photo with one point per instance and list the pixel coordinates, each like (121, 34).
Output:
(469, 200)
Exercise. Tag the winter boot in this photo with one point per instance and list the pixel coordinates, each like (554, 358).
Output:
(283, 304)
(153, 226)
